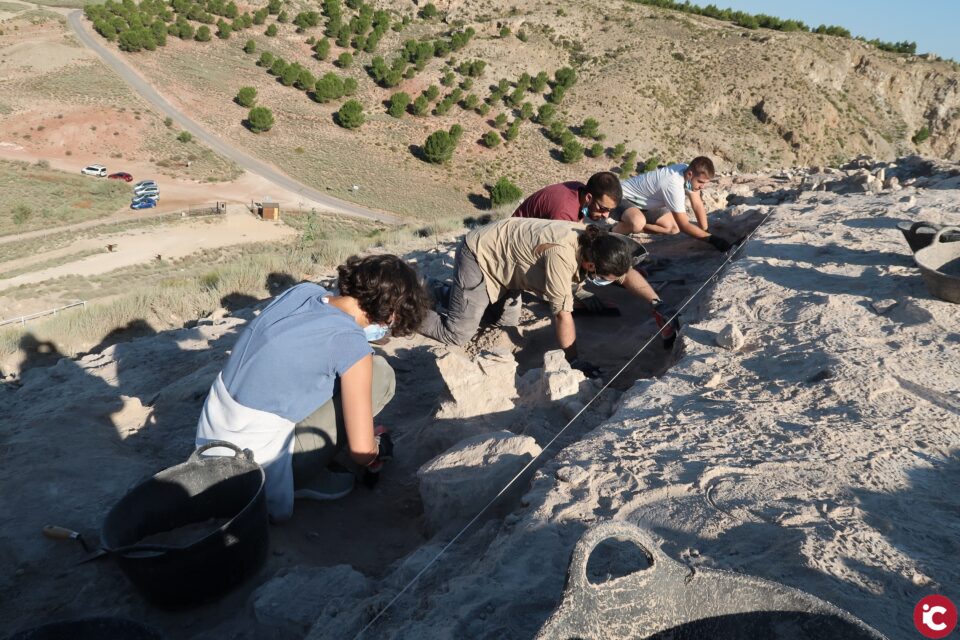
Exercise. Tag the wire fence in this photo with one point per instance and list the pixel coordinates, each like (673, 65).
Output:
(22, 320)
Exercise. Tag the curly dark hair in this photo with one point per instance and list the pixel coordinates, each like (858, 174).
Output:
(610, 254)
(386, 288)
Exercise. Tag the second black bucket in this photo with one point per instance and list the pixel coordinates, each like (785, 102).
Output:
(220, 488)
(668, 601)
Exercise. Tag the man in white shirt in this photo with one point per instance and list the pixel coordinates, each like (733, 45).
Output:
(655, 202)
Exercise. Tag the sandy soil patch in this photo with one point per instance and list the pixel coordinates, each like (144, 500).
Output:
(238, 226)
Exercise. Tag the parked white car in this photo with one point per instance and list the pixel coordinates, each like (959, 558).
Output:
(152, 192)
(95, 170)
(145, 183)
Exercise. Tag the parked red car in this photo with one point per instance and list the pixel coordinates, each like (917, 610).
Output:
(121, 175)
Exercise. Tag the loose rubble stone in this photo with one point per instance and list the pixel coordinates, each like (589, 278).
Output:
(882, 306)
(457, 484)
(730, 337)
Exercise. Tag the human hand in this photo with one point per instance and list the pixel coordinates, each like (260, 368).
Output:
(586, 368)
(590, 302)
(668, 321)
(718, 243)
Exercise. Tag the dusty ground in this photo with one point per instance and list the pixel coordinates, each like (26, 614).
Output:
(802, 457)
(237, 226)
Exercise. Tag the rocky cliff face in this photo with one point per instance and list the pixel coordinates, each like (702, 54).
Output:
(672, 85)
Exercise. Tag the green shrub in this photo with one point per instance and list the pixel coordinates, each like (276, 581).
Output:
(168, 122)
(260, 119)
(398, 104)
(512, 131)
(250, 47)
(491, 139)
(526, 111)
(618, 150)
(456, 132)
(185, 136)
(272, 30)
(350, 115)
(266, 59)
(421, 106)
(224, 30)
(432, 92)
(652, 163)
(504, 31)
(322, 49)
(349, 86)
(344, 60)
(500, 120)
(596, 150)
(439, 147)
(590, 128)
(247, 97)
(203, 34)
(572, 152)
(921, 135)
(329, 87)
(545, 113)
(504, 192)
(428, 11)
(21, 213)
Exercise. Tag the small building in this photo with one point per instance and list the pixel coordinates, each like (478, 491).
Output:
(269, 210)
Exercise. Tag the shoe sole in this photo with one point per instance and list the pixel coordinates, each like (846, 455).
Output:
(311, 494)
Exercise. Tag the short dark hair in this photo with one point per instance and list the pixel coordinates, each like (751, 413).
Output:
(605, 183)
(610, 255)
(702, 166)
(386, 288)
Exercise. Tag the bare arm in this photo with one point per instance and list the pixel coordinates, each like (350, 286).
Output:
(638, 286)
(566, 333)
(696, 200)
(683, 222)
(356, 390)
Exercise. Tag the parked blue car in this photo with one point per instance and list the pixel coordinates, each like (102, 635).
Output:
(143, 203)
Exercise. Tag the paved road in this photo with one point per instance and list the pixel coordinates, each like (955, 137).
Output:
(251, 164)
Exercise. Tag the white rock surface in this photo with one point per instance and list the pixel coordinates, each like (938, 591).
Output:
(457, 484)
(294, 601)
(494, 373)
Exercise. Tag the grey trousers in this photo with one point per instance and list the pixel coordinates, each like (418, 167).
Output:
(468, 304)
(321, 435)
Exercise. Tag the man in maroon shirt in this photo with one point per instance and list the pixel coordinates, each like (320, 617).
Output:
(574, 201)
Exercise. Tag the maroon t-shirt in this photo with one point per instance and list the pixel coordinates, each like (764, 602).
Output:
(556, 202)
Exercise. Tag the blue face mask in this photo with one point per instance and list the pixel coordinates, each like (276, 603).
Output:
(688, 185)
(584, 210)
(374, 331)
(598, 281)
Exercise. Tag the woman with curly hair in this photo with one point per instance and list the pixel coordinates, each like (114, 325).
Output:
(302, 382)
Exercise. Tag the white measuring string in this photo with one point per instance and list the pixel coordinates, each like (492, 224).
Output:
(686, 303)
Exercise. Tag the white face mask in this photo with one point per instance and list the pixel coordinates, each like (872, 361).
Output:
(598, 281)
(374, 331)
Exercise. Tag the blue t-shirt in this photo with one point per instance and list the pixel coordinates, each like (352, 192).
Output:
(287, 359)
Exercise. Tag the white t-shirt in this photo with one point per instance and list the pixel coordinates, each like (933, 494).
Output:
(657, 189)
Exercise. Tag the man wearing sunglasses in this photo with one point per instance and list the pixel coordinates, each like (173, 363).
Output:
(574, 201)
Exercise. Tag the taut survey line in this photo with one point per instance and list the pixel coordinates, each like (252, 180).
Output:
(730, 255)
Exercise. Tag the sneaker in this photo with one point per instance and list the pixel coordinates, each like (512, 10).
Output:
(328, 485)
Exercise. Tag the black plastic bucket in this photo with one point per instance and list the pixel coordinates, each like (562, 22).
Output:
(89, 629)
(198, 490)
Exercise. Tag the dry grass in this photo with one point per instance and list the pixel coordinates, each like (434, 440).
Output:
(170, 294)
(47, 198)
